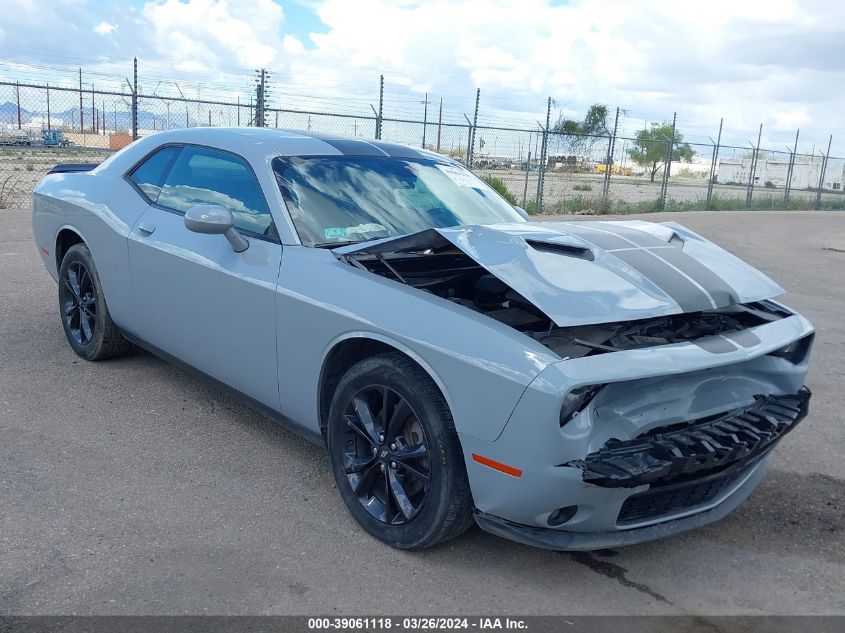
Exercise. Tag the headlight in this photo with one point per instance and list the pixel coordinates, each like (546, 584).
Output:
(796, 351)
(576, 400)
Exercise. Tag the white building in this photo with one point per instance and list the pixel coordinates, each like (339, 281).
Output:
(805, 172)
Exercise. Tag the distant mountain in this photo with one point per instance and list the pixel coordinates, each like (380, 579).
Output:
(9, 113)
(70, 117)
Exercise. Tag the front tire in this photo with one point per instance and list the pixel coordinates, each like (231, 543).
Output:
(85, 316)
(395, 454)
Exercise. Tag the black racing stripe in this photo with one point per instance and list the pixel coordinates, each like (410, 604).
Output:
(399, 151)
(715, 345)
(639, 238)
(723, 295)
(744, 338)
(685, 293)
(351, 147)
(601, 240)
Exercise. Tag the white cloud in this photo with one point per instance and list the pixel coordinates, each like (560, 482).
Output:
(216, 33)
(104, 28)
(775, 61)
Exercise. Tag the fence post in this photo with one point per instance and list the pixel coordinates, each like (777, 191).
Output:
(821, 176)
(380, 106)
(439, 123)
(525, 187)
(749, 194)
(667, 165)
(425, 118)
(469, 140)
(18, 95)
(81, 116)
(713, 165)
(471, 147)
(541, 176)
(48, 108)
(611, 147)
(790, 170)
(134, 98)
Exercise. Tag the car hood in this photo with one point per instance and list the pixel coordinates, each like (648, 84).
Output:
(580, 273)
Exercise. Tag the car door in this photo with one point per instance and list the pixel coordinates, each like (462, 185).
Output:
(195, 298)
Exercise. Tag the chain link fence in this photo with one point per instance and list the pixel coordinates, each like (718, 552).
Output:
(538, 169)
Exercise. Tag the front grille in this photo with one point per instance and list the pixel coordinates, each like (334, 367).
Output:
(691, 450)
(661, 501)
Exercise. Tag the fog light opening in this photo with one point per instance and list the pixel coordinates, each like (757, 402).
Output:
(561, 516)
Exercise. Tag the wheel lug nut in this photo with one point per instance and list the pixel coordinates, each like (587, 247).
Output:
(393, 447)
(393, 465)
(381, 467)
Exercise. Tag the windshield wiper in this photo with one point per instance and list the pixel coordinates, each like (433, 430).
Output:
(336, 244)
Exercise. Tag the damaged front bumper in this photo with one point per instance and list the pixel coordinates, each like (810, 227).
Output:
(691, 449)
(677, 437)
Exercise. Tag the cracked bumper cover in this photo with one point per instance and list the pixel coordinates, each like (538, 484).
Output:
(648, 393)
(695, 448)
(562, 540)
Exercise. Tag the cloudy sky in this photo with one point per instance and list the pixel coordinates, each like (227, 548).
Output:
(776, 62)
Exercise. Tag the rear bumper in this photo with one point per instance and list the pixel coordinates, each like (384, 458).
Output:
(563, 540)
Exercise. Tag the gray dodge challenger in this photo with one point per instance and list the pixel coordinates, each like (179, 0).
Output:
(568, 385)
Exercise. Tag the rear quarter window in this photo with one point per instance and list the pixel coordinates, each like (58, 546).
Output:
(149, 175)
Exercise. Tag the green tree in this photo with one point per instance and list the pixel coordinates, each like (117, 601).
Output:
(579, 137)
(651, 146)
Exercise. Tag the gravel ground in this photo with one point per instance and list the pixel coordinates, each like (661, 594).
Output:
(128, 487)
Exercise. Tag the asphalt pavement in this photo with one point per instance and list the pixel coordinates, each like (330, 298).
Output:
(130, 487)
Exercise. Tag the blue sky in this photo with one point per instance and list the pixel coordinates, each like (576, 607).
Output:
(775, 61)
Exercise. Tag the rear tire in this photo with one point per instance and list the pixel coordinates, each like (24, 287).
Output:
(395, 454)
(82, 307)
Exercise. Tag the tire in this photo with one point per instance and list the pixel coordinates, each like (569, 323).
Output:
(425, 517)
(82, 308)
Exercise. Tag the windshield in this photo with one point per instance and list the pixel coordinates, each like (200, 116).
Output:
(342, 199)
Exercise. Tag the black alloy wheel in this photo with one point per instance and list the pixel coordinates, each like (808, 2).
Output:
(79, 303)
(386, 455)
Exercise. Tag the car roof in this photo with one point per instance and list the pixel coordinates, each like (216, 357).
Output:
(287, 142)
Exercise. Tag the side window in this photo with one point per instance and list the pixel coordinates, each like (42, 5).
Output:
(149, 175)
(206, 176)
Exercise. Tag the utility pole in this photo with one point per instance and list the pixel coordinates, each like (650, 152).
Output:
(380, 106)
(439, 123)
(259, 100)
(134, 98)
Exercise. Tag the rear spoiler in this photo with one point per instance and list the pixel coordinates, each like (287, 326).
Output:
(64, 168)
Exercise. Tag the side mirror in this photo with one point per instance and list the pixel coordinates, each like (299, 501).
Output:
(521, 212)
(212, 219)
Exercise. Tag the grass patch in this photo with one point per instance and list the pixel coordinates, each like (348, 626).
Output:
(596, 206)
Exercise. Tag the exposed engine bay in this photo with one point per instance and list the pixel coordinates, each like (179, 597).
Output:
(454, 276)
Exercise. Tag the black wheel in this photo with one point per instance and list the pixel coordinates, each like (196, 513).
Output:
(395, 454)
(85, 317)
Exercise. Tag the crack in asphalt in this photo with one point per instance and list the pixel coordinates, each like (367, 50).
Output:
(617, 573)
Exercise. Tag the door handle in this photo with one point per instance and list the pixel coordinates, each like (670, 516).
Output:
(146, 229)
